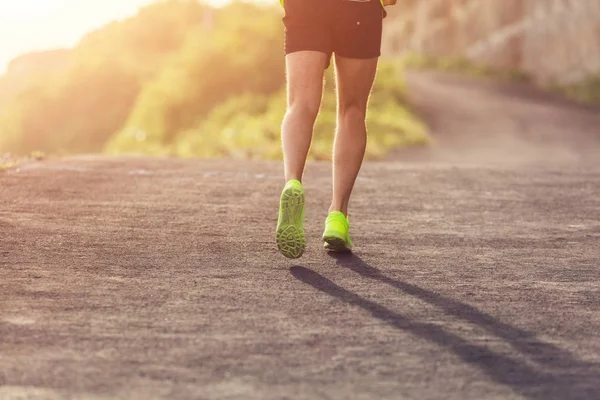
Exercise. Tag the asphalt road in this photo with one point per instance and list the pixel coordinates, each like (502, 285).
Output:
(138, 278)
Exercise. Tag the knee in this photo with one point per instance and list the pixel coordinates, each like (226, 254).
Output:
(307, 110)
(352, 110)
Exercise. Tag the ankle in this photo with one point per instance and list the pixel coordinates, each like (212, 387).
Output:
(338, 209)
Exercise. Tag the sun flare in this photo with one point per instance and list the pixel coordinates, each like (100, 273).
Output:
(35, 25)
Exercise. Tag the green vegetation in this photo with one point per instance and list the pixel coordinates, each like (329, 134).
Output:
(586, 91)
(80, 106)
(211, 68)
(463, 65)
(182, 79)
(254, 132)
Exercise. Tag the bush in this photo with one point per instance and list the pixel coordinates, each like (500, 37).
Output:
(79, 107)
(212, 67)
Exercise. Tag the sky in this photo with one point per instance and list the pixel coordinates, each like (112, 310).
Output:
(35, 25)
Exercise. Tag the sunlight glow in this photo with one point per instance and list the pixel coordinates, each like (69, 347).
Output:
(35, 25)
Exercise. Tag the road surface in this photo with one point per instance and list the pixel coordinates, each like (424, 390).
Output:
(139, 278)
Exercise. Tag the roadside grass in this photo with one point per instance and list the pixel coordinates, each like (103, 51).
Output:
(463, 66)
(586, 91)
(9, 161)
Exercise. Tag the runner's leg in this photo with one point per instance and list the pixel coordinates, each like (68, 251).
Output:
(357, 45)
(304, 88)
(354, 82)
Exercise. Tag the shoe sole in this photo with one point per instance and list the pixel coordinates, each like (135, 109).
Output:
(290, 231)
(334, 243)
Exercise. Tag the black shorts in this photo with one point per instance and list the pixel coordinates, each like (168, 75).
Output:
(349, 28)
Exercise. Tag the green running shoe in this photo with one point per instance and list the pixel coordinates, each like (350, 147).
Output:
(337, 232)
(290, 226)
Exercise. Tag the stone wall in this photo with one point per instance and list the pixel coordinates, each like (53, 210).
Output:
(555, 40)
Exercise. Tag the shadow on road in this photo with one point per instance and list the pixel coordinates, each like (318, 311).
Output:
(521, 340)
(558, 375)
